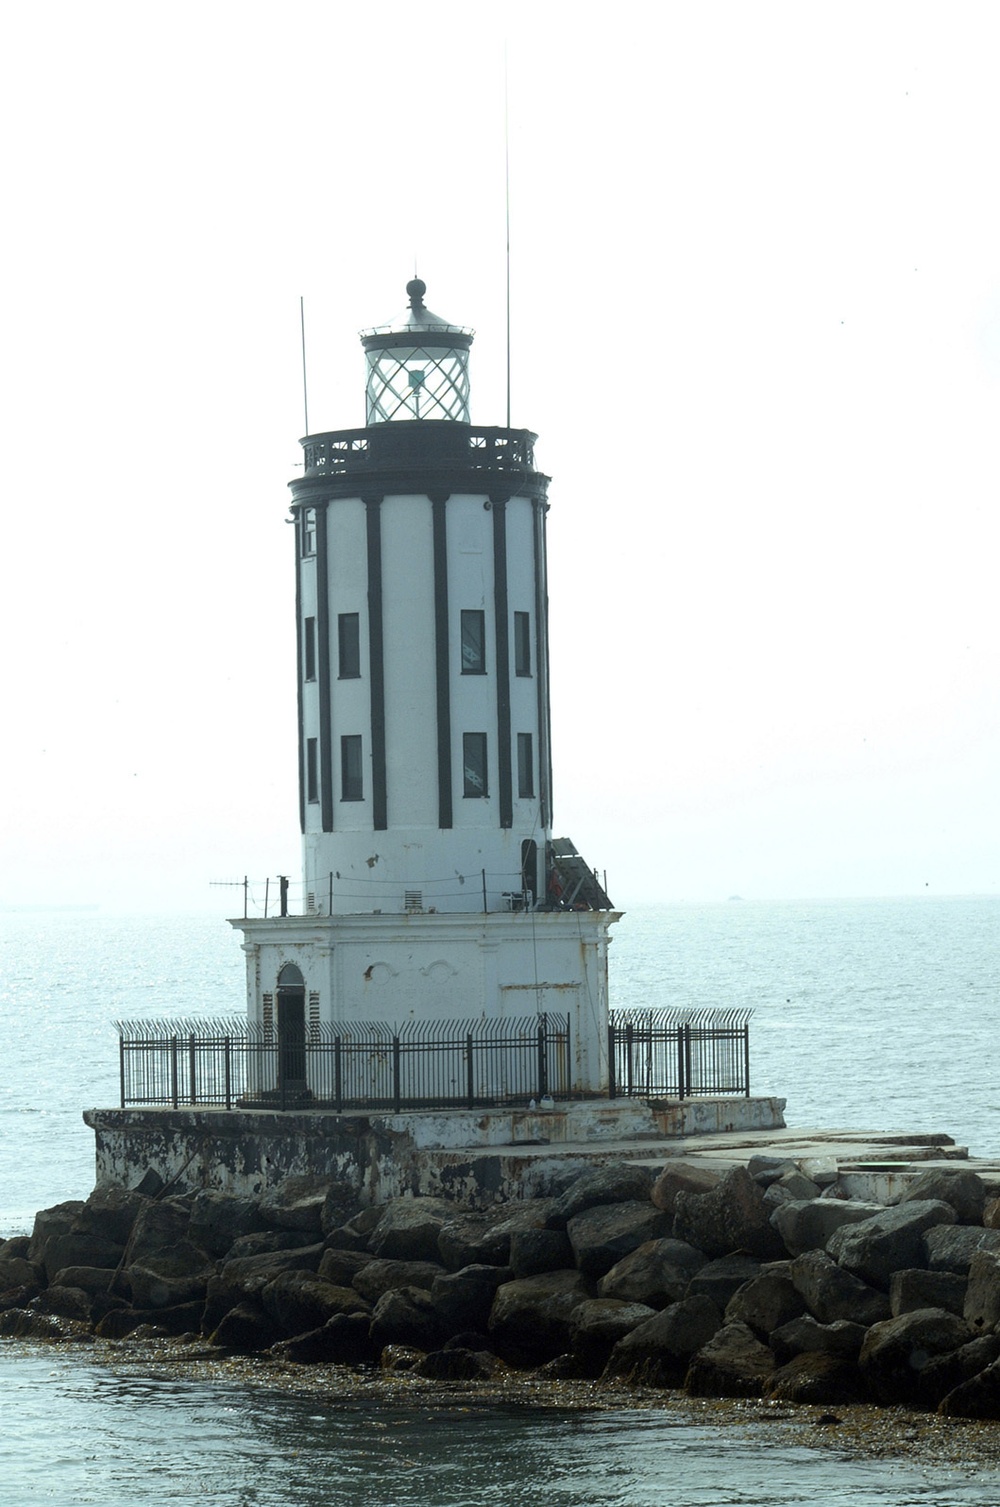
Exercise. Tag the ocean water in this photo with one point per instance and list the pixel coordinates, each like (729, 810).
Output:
(876, 1014)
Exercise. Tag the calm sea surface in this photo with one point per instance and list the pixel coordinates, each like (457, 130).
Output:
(874, 1014)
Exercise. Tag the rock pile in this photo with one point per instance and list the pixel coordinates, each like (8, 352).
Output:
(756, 1283)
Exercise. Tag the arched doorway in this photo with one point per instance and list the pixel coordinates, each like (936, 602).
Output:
(291, 1031)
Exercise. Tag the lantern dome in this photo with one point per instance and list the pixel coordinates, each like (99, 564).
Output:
(418, 365)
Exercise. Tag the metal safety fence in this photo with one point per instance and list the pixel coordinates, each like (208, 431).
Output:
(675, 1054)
(370, 1065)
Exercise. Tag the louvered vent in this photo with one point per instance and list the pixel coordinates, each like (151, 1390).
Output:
(313, 1015)
(267, 1008)
(413, 902)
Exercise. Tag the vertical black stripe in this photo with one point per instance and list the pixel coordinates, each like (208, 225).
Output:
(373, 519)
(503, 660)
(300, 697)
(325, 729)
(542, 669)
(442, 658)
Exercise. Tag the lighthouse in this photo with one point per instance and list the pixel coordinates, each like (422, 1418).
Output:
(433, 888)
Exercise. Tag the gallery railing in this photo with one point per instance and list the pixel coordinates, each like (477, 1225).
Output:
(370, 1065)
(675, 1054)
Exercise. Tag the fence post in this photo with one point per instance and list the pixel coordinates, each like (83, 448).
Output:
(569, 1060)
(746, 1058)
(680, 1060)
(338, 1082)
(628, 1058)
(192, 1066)
(173, 1071)
(612, 1039)
(395, 1073)
(227, 1058)
(121, 1066)
(543, 1057)
(470, 1083)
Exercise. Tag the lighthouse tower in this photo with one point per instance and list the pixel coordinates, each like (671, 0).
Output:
(433, 888)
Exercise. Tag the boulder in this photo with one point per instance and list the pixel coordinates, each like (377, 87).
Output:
(596, 1326)
(991, 1214)
(341, 1204)
(455, 1365)
(161, 1242)
(406, 1316)
(797, 1186)
(409, 1228)
(343, 1340)
(982, 1295)
(817, 1378)
(807, 1224)
(766, 1170)
(765, 1302)
(249, 1275)
(960, 1187)
(15, 1245)
(734, 1363)
(484, 1238)
(618, 1182)
(535, 1251)
(719, 1280)
(245, 1327)
(895, 1351)
(296, 1203)
(266, 1242)
(681, 1177)
(24, 1323)
(979, 1397)
(888, 1242)
(300, 1301)
(18, 1297)
(151, 1290)
(656, 1353)
(93, 1279)
(915, 1288)
(66, 1302)
(377, 1277)
(341, 1267)
(111, 1212)
(943, 1373)
(831, 1293)
(463, 1300)
(218, 1220)
(604, 1233)
(731, 1217)
(657, 1273)
(530, 1318)
(79, 1248)
(354, 1235)
(15, 1271)
(951, 1247)
(58, 1220)
(803, 1335)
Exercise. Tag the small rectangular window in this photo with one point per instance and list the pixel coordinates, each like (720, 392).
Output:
(351, 782)
(309, 648)
(474, 765)
(473, 643)
(349, 645)
(312, 776)
(522, 643)
(308, 528)
(525, 765)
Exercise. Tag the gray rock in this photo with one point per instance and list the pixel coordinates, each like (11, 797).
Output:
(406, 1316)
(805, 1334)
(530, 1318)
(960, 1187)
(732, 1217)
(249, 1275)
(150, 1289)
(979, 1397)
(943, 1373)
(982, 1296)
(78, 1248)
(296, 1203)
(484, 1239)
(818, 1378)
(536, 1251)
(409, 1228)
(341, 1267)
(341, 1204)
(681, 1177)
(719, 1280)
(66, 1302)
(765, 1302)
(888, 1242)
(799, 1187)
(656, 1274)
(264, 1242)
(455, 1365)
(15, 1271)
(895, 1351)
(58, 1220)
(657, 1353)
(160, 1235)
(343, 1340)
(766, 1170)
(16, 1245)
(619, 1182)
(807, 1224)
(734, 1363)
(950, 1247)
(219, 1219)
(245, 1327)
(832, 1293)
(378, 1277)
(301, 1301)
(603, 1234)
(463, 1300)
(911, 1289)
(111, 1212)
(93, 1279)
(596, 1326)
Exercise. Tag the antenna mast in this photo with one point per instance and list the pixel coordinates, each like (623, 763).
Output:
(305, 391)
(506, 175)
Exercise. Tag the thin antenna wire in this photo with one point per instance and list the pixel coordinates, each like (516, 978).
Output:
(305, 390)
(506, 176)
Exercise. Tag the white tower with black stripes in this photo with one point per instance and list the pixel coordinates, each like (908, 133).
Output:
(431, 883)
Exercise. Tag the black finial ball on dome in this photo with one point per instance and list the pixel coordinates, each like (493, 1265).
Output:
(416, 288)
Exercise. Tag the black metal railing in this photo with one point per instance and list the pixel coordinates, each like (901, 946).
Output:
(676, 1054)
(370, 1065)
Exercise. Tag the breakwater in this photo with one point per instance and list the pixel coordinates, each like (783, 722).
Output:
(758, 1281)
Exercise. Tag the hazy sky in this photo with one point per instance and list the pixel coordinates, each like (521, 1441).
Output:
(756, 324)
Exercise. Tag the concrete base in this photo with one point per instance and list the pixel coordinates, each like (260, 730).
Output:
(476, 1157)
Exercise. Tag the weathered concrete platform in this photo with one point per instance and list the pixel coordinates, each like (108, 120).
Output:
(480, 1157)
